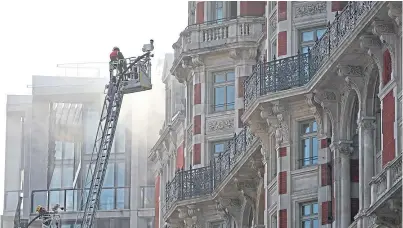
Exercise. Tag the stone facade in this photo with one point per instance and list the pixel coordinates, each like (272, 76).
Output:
(299, 136)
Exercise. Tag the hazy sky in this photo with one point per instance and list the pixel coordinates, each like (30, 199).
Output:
(38, 35)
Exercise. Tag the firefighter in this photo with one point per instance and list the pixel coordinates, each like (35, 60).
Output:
(118, 60)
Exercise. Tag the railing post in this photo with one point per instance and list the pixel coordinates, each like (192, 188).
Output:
(309, 64)
(328, 37)
(212, 174)
(275, 75)
(190, 181)
(299, 75)
(373, 196)
(181, 182)
(388, 177)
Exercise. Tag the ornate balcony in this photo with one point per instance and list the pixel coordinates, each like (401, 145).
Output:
(387, 182)
(215, 34)
(194, 183)
(299, 70)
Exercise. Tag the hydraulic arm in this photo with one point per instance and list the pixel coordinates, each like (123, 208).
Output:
(135, 76)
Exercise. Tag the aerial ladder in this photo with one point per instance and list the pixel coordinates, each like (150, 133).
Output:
(127, 76)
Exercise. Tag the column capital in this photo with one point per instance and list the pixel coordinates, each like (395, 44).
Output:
(344, 147)
(367, 123)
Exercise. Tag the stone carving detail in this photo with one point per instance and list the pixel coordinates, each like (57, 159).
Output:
(309, 9)
(367, 124)
(197, 61)
(273, 21)
(344, 94)
(190, 216)
(275, 117)
(220, 125)
(349, 71)
(243, 53)
(345, 148)
(395, 12)
(316, 110)
(382, 27)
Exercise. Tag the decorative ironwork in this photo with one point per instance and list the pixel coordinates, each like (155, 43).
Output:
(296, 71)
(193, 183)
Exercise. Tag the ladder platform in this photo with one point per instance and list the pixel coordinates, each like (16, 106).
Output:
(142, 83)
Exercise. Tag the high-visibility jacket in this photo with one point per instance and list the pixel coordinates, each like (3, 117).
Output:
(116, 55)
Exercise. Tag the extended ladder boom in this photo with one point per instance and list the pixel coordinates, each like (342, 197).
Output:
(141, 67)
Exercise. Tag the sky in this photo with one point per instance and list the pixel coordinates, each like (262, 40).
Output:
(38, 35)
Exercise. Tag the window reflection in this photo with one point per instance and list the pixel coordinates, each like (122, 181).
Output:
(121, 174)
(106, 201)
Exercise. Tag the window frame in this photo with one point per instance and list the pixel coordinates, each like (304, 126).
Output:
(213, 144)
(313, 160)
(312, 216)
(302, 44)
(225, 84)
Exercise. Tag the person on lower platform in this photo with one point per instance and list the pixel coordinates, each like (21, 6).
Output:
(118, 61)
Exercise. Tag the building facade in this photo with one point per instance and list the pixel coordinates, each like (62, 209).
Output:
(49, 140)
(293, 117)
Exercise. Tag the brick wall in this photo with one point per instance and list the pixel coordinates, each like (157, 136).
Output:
(282, 152)
(197, 94)
(338, 5)
(326, 174)
(326, 209)
(197, 154)
(354, 170)
(282, 180)
(283, 218)
(387, 67)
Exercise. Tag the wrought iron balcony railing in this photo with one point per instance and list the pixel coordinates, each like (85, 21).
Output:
(297, 71)
(387, 179)
(203, 181)
(112, 198)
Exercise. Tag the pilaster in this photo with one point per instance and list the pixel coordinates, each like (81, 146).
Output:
(244, 59)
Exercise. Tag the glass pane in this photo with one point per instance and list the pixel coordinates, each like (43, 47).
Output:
(314, 126)
(109, 178)
(58, 153)
(68, 173)
(219, 78)
(315, 223)
(320, 33)
(306, 151)
(56, 197)
(218, 147)
(219, 98)
(305, 49)
(11, 200)
(315, 209)
(39, 198)
(305, 128)
(68, 150)
(91, 124)
(306, 210)
(307, 36)
(56, 178)
(230, 76)
(230, 97)
(314, 147)
(306, 224)
(120, 198)
(71, 200)
(107, 199)
(121, 174)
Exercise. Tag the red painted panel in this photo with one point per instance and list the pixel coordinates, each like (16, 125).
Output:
(326, 206)
(282, 180)
(283, 218)
(387, 67)
(197, 125)
(200, 12)
(282, 10)
(197, 94)
(252, 8)
(157, 204)
(197, 154)
(388, 122)
(354, 170)
(325, 175)
(282, 152)
(282, 43)
(180, 157)
(338, 5)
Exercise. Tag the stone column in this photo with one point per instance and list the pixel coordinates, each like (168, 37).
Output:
(345, 151)
(366, 156)
(244, 60)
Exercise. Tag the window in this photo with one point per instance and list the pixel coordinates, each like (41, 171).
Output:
(219, 147)
(147, 196)
(308, 38)
(309, 215)
(224, 91)
(309, 143)
(221, 10)
(273, 5)
(90, 128)
(11, 200)
(273, 221)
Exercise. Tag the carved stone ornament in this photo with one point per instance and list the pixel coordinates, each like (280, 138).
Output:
(316, 110)
(220, 125)
(243, 53)
(345, 148)
(367, 124)
(382, 27)
(197, 61)
(273, 21)
(275, 117)
(373, 46)
(349, 71)
(309, 9)
(395, 12)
